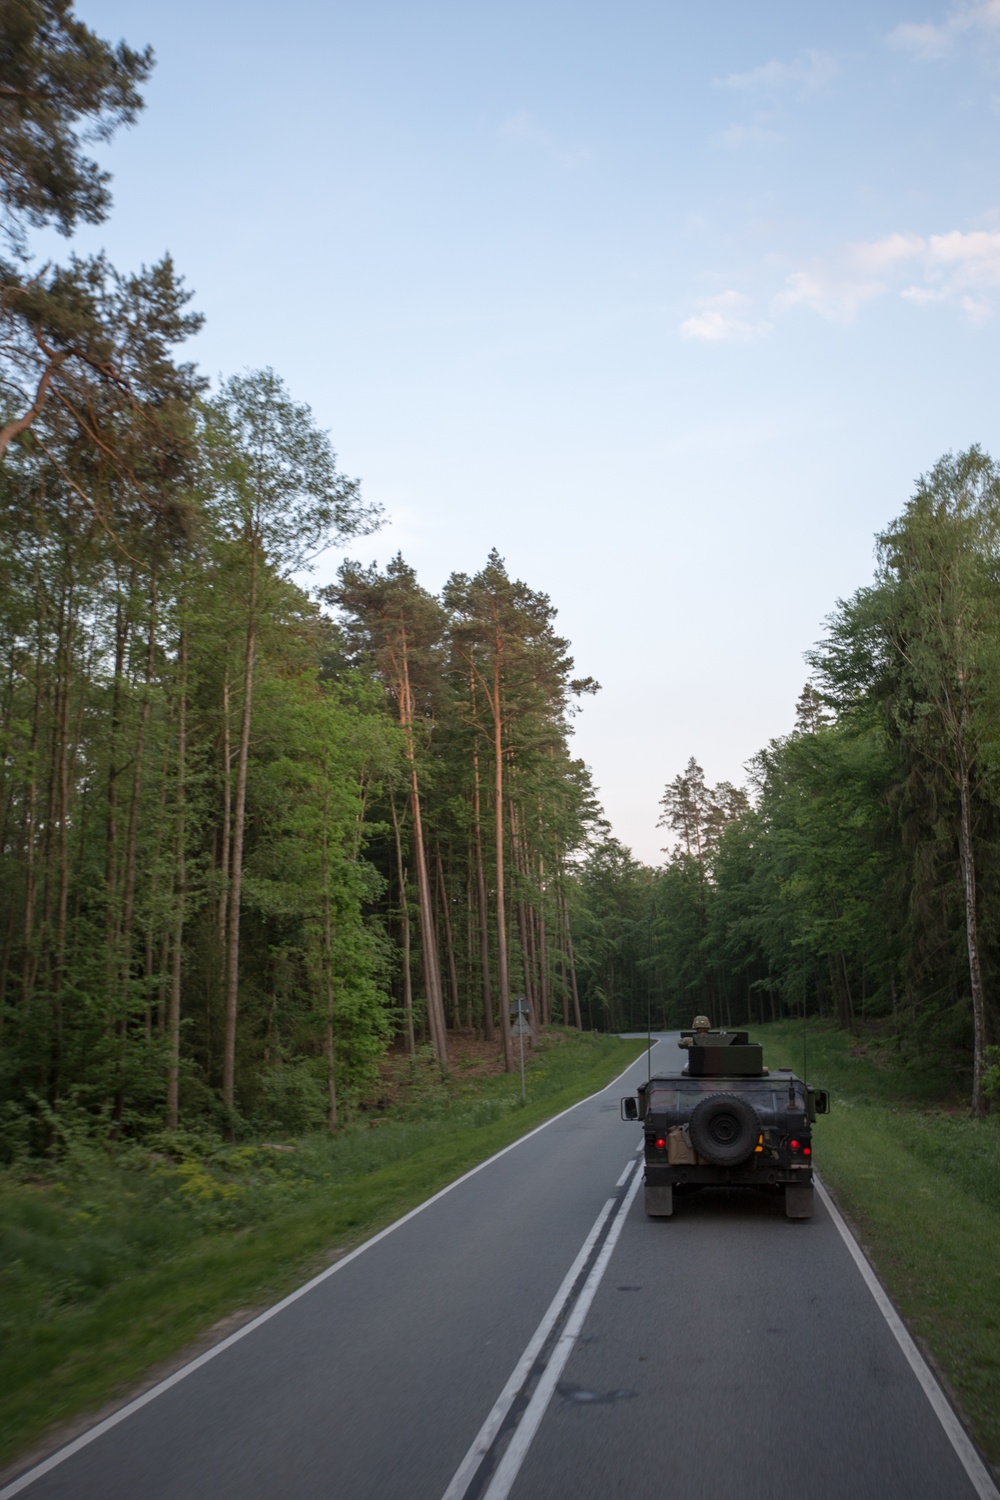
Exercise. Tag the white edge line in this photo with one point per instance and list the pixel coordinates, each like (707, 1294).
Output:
(978, 1474)
(91, 1435)
(484, 1437)
(510, 1465)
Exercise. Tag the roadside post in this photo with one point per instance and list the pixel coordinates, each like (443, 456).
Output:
(519, 1011)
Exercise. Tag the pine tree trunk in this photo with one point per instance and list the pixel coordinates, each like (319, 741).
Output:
(428, 934)
(50, 844)
(545, 998)
(236, 873)
(122, 629)
(329, 1040)
(180, 890)
(8, 943)
(30, 836)
(63, 816)
(520, 858)
(484, 932)
(577, 1019)
(226, 852)
(470, 936)
(404, 911)
(154, 985)
(449, 946)
(968, 863)
(128, 906)
(502, 975)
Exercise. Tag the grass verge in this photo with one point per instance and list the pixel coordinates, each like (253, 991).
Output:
(108, 1267)
(921, 1182)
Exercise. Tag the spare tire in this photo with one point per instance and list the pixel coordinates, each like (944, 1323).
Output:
(724, 1129)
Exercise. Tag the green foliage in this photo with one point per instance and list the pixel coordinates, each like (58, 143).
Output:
(109, 1263)
(860, 881)
(55, 73)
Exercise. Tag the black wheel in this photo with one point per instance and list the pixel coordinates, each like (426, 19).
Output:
(724, 1129)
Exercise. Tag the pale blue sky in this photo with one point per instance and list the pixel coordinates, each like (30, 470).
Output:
(668, 302)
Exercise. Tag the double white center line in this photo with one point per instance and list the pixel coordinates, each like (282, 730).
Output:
(488, 1470)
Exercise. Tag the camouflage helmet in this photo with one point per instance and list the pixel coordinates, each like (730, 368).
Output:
(702, 1023)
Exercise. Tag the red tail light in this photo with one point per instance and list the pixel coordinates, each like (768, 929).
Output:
(793, 1146)
(661, 1143)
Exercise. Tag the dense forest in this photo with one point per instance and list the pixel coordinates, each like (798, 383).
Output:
(248, 836)
(857, 878)
(253, 835)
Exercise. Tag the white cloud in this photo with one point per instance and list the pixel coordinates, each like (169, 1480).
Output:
(955, 267)
(718, 321)
(810, 71)
(976, 309)
(971, 259)
(921, 40)
(524, 129)
(927, 41)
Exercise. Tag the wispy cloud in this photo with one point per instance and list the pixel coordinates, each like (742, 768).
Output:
(927, 41)
(768, 87)
(524, 129)
(722, 319)
(735, 136)
(957, 267)
(810, 72)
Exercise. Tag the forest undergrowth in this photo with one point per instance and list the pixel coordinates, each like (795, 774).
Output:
(919, 1179)
(112, 1262)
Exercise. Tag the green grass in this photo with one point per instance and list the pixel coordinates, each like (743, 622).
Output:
(920, 1181)
(108, 1267)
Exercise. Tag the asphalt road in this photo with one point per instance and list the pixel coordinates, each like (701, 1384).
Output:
(727, 1352)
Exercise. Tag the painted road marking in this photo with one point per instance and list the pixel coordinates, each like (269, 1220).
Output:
(975, 1468)
(491, 1465)
(90, 1436)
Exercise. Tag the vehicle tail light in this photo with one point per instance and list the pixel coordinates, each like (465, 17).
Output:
(794, 1146)
(807, 1151)
(661, 1143)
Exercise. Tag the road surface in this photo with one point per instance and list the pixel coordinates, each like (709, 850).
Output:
(530, 1333)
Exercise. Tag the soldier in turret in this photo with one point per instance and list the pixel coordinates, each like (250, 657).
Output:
(702, 1026)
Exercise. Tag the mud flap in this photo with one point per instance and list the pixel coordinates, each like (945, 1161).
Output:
(659, 1201)
(798, 1201)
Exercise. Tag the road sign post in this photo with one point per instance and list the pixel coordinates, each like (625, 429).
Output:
(519, 1009)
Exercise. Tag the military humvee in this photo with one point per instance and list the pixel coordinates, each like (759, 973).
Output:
(725, 1119)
